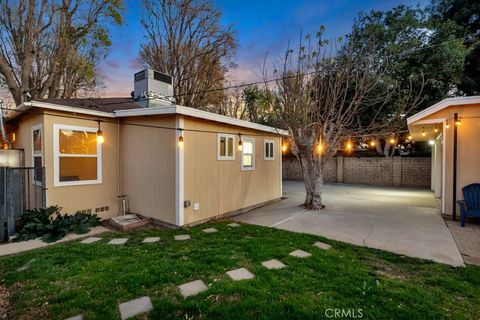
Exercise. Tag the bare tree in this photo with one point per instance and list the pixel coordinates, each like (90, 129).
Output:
(321, 94)
(41, 39)
(185, 39)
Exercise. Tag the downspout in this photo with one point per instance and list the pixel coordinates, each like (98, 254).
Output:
(455, 147)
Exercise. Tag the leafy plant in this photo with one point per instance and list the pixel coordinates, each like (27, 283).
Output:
(51, 225)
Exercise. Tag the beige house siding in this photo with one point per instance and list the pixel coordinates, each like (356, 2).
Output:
(148, 166)
(91, 196)
(468, 169)
(220, 186)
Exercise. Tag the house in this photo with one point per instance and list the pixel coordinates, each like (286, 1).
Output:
(175, 164)
(452, 128)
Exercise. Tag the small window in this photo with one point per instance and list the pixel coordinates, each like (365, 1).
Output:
(37, 154)
(248, 154)
(226, 147)
(268, 150)
(77, 156)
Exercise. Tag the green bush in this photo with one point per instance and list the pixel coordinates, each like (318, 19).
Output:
(51, 225)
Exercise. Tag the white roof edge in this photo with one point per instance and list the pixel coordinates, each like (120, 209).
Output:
(143, 111)
(54, 106)
(443, 104)
(191, 112)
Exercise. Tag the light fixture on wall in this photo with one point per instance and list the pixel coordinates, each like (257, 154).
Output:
(240, 143)
(180, 138)
(431, 142)
(458, 122)
(100, 138)
(284, 147)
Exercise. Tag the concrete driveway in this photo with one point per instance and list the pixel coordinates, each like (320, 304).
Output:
(403, 221)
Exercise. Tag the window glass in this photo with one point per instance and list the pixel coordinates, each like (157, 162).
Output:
(248, 154)
(226, 147)
(78, 168)
(268, 150)
(77, 142)
(37, 140)
(37, 171)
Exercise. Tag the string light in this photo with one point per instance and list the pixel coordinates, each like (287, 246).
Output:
(392, 140)
(100, 137)
(423, 132)
(349, 145)
(436, 129)
(180, 138)
(409, 137)
(320, 148)
(447, 125)
(458, 122)
(240, 143)
(372, 143)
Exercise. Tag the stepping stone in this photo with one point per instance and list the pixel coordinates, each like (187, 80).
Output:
(25, 266)
(240, 274)
(90, 240)
(135, 307)
(192, 288)
(78, 317)
(273, 264)
(118, 241)
(210, 230)
(322, 245)
(233, 225)
(151, 239)
(300, 254)
(181, 237)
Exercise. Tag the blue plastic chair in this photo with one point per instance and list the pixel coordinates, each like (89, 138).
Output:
(470, 207)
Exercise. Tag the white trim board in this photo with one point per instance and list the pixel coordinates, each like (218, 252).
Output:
(179, 176)
(442, 105)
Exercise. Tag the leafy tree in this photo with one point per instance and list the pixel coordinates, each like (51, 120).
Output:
(185, 39)
(40, 40)
(466, 15)
(425, 58)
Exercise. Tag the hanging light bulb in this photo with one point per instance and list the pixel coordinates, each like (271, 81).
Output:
(180, 138)
(423, 132)
(349, 145)
(372, 143)
(458, 122)
(240, 143)
(100, 137)
(447, 125)
(392, 140)
(409, 137)
(436, 129)
(320, 148)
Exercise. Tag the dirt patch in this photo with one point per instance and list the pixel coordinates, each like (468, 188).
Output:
(6, 307)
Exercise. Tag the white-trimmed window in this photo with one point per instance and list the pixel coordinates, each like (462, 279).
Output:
(248, 154)
(268, 148)
(37, 153)
(77, 156)
(226, 146)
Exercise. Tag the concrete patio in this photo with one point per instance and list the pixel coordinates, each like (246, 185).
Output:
(403, 221)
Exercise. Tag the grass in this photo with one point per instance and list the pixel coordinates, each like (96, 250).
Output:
(73, 278)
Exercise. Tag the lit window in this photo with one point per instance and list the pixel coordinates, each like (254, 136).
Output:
(248, 154)
(37, 154)
(268, 150)
(78, 157)
(226, 143)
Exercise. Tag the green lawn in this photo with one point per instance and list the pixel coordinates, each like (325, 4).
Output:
(73, 278)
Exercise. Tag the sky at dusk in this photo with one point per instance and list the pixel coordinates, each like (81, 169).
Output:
(262, 26)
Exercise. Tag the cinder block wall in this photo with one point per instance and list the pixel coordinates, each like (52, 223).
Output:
(382, 171)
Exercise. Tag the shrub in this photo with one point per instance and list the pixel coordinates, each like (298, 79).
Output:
(51, 225)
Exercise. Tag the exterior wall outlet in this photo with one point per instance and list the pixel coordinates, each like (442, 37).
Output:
(196, 206)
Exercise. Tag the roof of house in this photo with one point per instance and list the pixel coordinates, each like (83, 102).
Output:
(445, 103)
(127, 107)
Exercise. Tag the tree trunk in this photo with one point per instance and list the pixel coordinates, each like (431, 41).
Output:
(312, 168)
